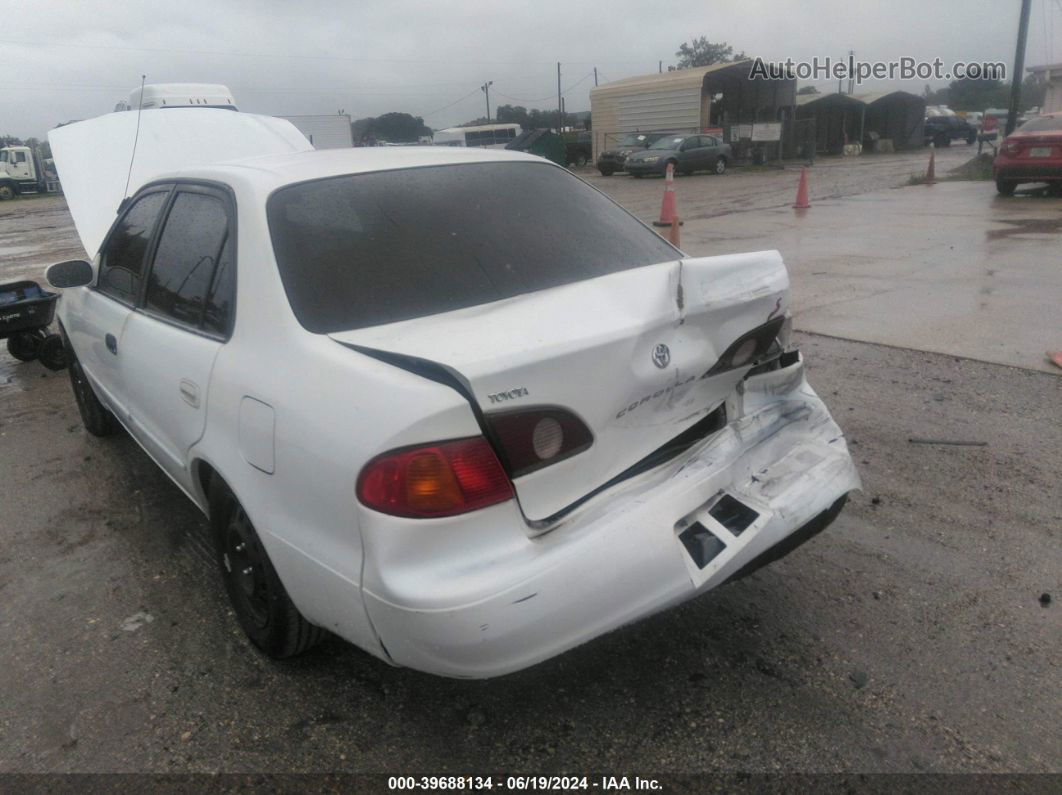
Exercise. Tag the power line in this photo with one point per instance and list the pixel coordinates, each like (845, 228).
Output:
(444, 107)
(551, 96)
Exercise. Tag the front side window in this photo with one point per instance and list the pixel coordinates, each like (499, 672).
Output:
(191, 248)
(20, 157)
(122, 264)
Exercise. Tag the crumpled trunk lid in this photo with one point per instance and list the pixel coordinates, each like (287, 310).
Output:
(627, 353)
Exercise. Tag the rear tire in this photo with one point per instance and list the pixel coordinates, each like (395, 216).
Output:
(1006, 187)
(720, 165)
(263, 608)
(97, 418)
(580, 160)
(25, 345)
(606, 172)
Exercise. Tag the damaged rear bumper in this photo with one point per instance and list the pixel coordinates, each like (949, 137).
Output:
(651, 543)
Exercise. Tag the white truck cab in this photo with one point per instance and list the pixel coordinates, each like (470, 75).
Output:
(22, 171)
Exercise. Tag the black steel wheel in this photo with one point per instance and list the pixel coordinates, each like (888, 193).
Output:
(97, 418)
(263, 608)
(244, 562)
(25, 345)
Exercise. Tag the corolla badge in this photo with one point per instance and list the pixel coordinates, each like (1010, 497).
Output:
(661, 356)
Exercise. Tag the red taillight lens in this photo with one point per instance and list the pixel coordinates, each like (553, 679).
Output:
(533, 438)
(436, 480)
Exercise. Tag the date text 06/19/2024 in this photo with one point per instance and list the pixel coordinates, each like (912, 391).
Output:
(523, 783)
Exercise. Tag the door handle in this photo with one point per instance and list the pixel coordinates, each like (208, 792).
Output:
(189, 393)
(112, 343)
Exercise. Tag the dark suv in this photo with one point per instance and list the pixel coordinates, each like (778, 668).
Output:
(942, 130)
(614, 158)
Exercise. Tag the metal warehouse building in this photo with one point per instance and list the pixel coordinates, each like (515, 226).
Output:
(720, 96)
(887, 119)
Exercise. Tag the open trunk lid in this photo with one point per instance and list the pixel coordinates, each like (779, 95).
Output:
(628, 353)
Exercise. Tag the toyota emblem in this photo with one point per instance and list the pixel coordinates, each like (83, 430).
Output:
(661, 356)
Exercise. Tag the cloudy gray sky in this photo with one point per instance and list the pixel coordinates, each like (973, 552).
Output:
(76, 59)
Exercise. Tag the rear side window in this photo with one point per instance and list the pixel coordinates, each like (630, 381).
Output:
(369, 249)
(122, 264)
(190, 251)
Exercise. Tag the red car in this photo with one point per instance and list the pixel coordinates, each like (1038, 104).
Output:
(1032, 153)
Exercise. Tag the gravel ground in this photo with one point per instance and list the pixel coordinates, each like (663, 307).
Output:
(908, 637)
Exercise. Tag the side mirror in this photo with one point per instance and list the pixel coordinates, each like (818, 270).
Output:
(72, 273)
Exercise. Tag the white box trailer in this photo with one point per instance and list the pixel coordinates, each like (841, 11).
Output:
(325, 132)
(182, 95)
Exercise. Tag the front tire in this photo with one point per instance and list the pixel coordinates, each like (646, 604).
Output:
(7, 192)
(263, 608)
(97, 418)
(53, 352)
(1006, 187)
(606, 172)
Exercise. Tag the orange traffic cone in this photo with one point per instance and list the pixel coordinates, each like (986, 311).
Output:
(802, 202)
(673, 233)
(667, 207)
(931, 176)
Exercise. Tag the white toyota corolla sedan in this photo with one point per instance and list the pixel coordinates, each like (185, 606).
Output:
(453, 405)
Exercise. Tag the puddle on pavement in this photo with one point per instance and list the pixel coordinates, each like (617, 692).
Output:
(1025, 226)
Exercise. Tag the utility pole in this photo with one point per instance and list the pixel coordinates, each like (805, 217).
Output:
(851, 77)
(560, 104)
(1019, 67)
(660, 66)
(595, 77)
(485, 88)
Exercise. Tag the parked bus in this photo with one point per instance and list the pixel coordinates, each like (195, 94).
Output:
(487, 136)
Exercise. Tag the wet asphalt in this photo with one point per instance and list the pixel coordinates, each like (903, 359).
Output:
(912, 636)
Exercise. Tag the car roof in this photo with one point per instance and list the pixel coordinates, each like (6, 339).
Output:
(273, 171)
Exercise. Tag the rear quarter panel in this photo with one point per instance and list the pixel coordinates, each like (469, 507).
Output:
(334, 409)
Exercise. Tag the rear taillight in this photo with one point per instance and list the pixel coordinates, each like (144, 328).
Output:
(442, 479)
(537, 437)
(1012, 147)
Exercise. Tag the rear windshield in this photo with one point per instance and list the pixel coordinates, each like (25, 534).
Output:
(368, 249)
(1043, 124)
